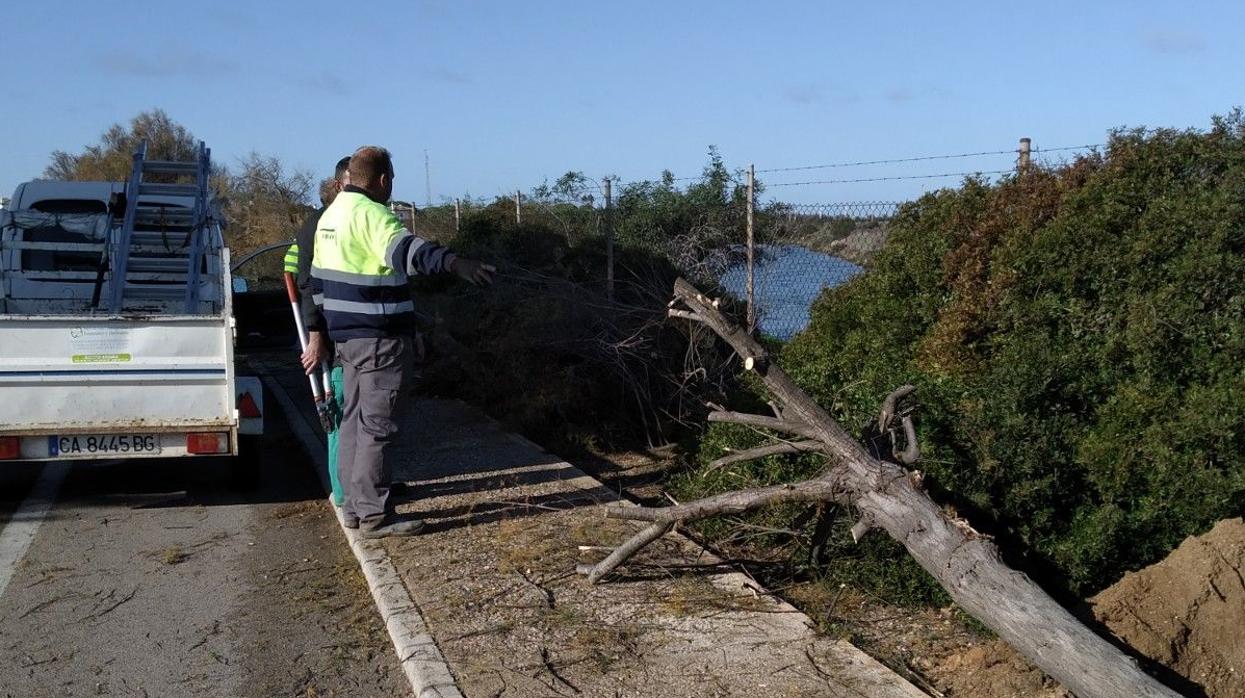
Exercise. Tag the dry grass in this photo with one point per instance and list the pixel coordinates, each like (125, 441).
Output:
(528, 545)
(174, 555)
(606, 645)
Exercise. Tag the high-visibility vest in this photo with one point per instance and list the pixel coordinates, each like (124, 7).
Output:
(363, 260)
(291, 259)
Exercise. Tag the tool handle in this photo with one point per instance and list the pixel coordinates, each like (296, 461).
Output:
(326, 373)
(317, 391)
(291, 288)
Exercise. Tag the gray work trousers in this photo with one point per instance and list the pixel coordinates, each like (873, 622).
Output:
(376, 375)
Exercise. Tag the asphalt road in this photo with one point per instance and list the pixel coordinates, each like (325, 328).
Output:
(154, 578)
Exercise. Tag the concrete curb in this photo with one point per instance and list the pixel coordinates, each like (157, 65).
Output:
(421, 660)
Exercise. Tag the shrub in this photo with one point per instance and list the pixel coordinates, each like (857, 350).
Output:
(1078, 338)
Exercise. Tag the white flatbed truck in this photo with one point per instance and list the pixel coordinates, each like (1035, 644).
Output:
(116, 322)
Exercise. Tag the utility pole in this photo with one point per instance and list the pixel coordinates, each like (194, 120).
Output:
(1022, 163)
(750, 288)
(609, 242)
(427, 181)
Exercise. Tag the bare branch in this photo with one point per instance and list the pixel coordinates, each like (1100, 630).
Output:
(624, 551)
(911, 452)
(683, 314)
(736, 502)
(767, 450)
(887, 412)
(861, 528)
(789, 426)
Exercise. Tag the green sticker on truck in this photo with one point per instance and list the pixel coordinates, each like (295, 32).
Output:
(100, 358)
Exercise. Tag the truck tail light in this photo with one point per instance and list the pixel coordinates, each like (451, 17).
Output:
(10, 447)
(207, 442)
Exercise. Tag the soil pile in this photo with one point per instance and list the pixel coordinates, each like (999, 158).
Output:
(1187, 612)
(993, 670)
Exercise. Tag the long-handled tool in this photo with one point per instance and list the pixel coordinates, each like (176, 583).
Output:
(321, 387)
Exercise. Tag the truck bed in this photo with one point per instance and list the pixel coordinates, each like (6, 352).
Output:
(111, 377)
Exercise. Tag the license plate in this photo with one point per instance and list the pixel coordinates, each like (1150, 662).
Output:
(119, 444)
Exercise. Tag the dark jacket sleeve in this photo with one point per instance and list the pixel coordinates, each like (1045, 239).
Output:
(415, 255)
(308, 287)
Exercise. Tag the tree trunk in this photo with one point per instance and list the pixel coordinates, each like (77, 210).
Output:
(888, 497)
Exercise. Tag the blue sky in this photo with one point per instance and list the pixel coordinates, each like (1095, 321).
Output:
(503, 95)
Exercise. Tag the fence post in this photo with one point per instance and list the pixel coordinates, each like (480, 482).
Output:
(518, 210)
(458, 215)
(750, 251)
(1022, 163)
(609, 240)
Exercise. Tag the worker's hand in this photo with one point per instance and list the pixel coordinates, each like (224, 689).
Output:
(473, 270)
(315, 352)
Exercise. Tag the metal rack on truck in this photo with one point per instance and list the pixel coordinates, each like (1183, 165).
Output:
(116, 320)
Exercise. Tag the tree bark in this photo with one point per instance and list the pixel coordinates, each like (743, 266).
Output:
(964, 562)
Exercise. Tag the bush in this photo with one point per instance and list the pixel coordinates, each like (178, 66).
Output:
(545, 349)
(1078, 338)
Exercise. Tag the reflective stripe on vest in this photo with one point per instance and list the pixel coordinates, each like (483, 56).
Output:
(332, 304)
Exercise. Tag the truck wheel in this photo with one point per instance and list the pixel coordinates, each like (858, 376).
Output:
(245, 468)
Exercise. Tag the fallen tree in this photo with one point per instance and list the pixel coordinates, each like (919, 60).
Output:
(888, 496)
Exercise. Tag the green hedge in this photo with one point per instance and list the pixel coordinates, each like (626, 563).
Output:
(1078, 338)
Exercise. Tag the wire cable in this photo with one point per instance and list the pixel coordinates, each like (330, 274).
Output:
(889, 162)
(862, 163)
(887, 179)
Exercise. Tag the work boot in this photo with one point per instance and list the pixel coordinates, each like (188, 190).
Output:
(391, 526)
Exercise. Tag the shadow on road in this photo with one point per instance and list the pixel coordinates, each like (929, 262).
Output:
(285, 476)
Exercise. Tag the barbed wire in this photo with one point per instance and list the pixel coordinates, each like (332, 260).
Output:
(1037, 149)
(619, 184)
(892, 161)
(886, 162)
(887, 179)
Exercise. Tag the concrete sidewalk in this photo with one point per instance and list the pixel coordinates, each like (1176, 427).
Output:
(493, 579)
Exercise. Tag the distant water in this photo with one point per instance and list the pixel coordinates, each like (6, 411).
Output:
(788, 279)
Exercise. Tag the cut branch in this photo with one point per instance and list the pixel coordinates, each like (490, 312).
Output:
(736, 502)
(789, 426)
(966, 564)
(911, 452)
(887, 412)
(682, 314)
(861, 528)
(764, 451)
(664, 518)
(626, 550)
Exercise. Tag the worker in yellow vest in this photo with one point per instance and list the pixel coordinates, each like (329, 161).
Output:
(319, 350)
(363, 261)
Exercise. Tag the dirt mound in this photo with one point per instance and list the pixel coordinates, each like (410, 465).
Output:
(1187, 612)
(994, 670)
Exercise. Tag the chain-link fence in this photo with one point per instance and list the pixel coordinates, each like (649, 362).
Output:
(802, 249)
(575, 217)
